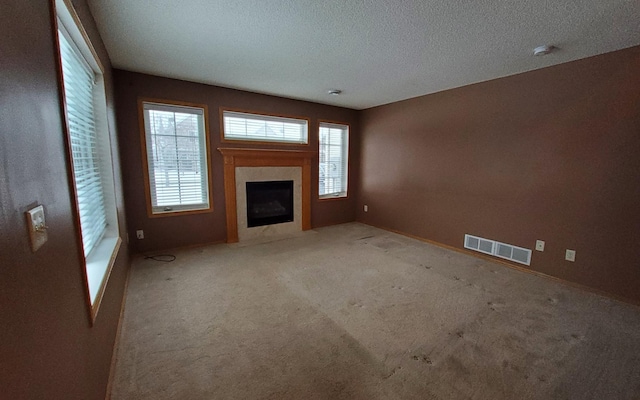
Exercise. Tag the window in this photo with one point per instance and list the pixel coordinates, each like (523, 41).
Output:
(175, 143)
(334, 160)
(90, 148)
(264, 128)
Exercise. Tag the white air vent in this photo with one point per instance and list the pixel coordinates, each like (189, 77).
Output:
(478, 244)
(498, 249)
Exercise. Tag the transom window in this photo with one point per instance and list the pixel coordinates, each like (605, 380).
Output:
(334, 160)
(264, 128)
(175, 141)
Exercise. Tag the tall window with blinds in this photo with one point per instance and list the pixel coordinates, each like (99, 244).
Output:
(89, 146)
(264, 128)
(175, 140)
(334, 160)
(79, 80)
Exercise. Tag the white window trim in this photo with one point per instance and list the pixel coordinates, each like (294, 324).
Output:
(263, 117)
(345, 154)
(174, 210)
(99, 262)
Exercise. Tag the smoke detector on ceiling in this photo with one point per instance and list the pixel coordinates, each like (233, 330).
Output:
(334, 92)
(543, 50)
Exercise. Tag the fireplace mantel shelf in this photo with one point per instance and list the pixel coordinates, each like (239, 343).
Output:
(247, 157)
(271, 153)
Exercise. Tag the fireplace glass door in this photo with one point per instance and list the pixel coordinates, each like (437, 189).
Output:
(269, 203)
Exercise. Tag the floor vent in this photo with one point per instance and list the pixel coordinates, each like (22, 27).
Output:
(498, 249)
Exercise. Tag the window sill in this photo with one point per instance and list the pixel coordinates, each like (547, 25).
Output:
(177, 213)
(333, 196)
(262, 141)
(98, 267)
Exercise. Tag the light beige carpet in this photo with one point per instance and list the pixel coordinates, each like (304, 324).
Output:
(354, 312)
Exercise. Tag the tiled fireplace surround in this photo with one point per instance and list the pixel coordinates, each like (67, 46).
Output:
(242, 165)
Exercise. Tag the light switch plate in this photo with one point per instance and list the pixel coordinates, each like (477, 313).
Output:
(37, 227)
(570, 255)
(540, 245)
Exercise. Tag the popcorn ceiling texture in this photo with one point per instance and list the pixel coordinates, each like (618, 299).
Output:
(377, 52)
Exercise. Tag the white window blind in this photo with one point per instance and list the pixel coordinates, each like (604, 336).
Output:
(264, 128)
(177, 157)
(79, 82)
(334, 160)
(89, 143)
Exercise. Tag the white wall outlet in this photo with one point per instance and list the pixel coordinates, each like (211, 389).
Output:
(36, 227)
(140, 234)
(540, 245)
(366, 208)
(570, 255)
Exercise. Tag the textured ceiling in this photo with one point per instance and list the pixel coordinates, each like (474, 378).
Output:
(376, 52)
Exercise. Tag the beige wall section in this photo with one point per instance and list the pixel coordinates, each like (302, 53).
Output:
(48, 348)
(261, 174)
(551, 154)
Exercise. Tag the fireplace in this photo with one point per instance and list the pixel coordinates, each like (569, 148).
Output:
(269, 203)
(242, 165)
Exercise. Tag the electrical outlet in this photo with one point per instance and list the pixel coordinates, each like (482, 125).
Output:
(140, 234)
(570, 255)
(366, 208)
(540, 245)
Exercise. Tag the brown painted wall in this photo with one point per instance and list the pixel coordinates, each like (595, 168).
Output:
(178, 231)
(48, 348)
(552, 154)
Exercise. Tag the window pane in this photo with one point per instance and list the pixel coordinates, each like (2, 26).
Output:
(89, 146)
(78, 79)
(333, 156)
(177, 157)
(242, 126)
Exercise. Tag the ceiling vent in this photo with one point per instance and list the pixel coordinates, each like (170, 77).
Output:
(498, 249)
